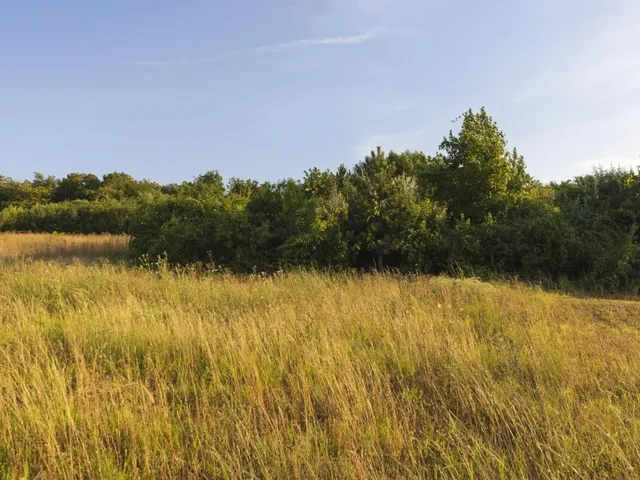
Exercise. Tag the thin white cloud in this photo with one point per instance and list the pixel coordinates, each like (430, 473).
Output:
(309, 42)
(369, 35)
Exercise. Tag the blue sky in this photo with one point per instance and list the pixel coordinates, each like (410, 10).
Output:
(167, 89)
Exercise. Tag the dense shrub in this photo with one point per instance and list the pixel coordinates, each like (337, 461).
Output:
(471, 208)
(79, 216)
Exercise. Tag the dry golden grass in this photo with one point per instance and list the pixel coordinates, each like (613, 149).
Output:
(109, 372)
(62, 247)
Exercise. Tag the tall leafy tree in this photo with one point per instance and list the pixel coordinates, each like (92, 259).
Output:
(383, 199)
(474, 173)
(77, 186)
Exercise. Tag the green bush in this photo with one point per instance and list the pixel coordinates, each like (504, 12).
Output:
(471, 208)
(78, 216)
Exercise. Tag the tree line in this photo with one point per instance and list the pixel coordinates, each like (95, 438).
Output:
(470, 208)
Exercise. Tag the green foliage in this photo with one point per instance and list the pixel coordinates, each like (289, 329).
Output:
(78, 216)
(472, 209)
(475, 173)
(384, 208)
(604, 207)
(26, 194)
(76, 186)
(120, 186)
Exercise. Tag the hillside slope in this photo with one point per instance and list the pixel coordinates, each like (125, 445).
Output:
(108, 372)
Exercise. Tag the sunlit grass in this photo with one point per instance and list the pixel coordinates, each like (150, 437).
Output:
(109, 372)
(62, 247)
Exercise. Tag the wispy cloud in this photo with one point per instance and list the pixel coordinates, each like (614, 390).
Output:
(369, 35)
(309, 42)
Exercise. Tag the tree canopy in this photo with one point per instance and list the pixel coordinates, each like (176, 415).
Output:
(471, 207)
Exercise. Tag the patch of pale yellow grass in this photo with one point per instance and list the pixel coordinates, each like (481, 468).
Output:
(62, 247)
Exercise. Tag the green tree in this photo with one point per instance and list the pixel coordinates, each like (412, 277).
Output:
(121, 186)
(384, 207)
(77, 186)
(474, 173)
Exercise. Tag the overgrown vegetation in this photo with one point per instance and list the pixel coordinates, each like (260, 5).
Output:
(117, 372)
(470, 208)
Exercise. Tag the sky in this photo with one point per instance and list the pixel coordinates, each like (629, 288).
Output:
(166, 90)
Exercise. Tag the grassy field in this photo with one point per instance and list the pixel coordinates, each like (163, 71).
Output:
(67, 248)
(115, 372)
